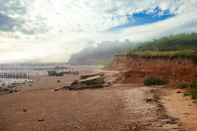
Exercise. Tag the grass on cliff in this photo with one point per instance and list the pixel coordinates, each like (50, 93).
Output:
(194, 91)
(173, 42)
(189, 53)
(181, 45)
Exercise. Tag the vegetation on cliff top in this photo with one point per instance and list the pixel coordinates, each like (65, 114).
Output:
(190, 53)
(174, 42)
(182, 45)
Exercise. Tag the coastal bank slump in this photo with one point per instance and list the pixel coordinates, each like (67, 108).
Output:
(174, 69)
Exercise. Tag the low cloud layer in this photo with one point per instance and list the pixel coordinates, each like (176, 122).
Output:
(42, 29)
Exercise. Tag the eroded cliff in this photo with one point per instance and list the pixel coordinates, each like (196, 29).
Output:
(136, 68)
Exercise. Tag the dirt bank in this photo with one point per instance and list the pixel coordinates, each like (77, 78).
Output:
(136, 68)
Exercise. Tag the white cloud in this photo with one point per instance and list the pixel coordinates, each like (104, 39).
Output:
(88, 16)
(84, 15)
(57, 28)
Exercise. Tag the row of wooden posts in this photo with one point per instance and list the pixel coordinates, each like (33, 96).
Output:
(14, 75)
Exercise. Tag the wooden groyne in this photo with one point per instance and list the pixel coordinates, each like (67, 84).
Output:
(14, 75)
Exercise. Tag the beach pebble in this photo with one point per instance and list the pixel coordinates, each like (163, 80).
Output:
(24, 110)
(41, 120)
(179, 91)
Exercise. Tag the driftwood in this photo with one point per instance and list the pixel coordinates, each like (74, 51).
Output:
(91, 75)
(93, 80)
(66, 86)
(88, 81)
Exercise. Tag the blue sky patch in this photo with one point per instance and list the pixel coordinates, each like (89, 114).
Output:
(143, 18)
(6, 23)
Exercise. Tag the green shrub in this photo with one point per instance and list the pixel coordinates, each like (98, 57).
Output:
(183, 85)
(187, 94)
(194, 91)
(151, 81)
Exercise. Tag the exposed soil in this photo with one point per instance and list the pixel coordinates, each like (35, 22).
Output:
(175, 70)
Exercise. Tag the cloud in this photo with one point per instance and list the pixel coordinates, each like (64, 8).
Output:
(42, 16)
(58, 28)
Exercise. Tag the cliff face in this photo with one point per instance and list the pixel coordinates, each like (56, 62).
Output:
(135, 68)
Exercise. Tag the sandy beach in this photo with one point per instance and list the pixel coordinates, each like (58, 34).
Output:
(121, 107)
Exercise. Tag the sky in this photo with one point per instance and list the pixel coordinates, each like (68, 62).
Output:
(52, 30)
